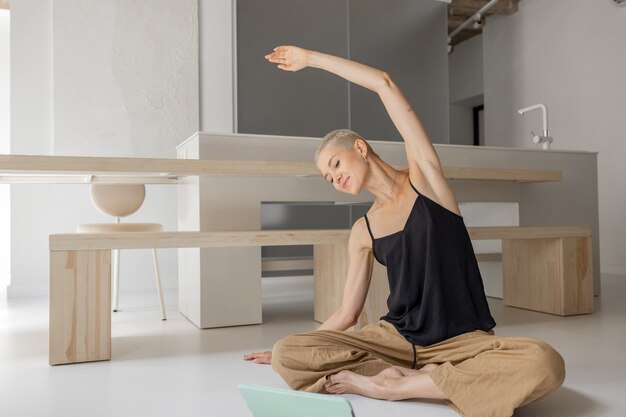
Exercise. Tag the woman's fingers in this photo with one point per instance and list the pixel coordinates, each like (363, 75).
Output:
(276, 59)
(277, 55)
(288, 58)
(259, 357)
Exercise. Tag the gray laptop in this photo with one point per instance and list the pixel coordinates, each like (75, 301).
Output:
(276, 402)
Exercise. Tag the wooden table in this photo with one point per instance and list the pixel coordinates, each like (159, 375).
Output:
(37, 169)
(229, 176)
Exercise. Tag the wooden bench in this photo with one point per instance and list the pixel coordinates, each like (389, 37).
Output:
(80, 279)
(545, 269)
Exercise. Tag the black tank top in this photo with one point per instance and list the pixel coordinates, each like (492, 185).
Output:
(436, 291)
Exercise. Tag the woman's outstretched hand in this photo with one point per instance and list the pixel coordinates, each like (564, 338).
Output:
(289, 58)
(259, 357)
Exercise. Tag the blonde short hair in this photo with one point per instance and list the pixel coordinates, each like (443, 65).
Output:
(343, 138)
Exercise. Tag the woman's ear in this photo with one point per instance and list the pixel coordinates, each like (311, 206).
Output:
(361, 147)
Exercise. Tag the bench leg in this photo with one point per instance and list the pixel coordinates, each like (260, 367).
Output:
(548, 275)
(330, 272)
(80, 306)
(376, 302)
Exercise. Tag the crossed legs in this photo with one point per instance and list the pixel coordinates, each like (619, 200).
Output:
(478, 374)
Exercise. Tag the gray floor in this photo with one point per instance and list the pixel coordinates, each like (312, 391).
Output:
(172, 368)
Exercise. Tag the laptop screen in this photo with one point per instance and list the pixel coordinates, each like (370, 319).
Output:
(277, 402)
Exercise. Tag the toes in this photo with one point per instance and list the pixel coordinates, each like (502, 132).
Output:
(338, 377)
(335, 388)
(338, 383)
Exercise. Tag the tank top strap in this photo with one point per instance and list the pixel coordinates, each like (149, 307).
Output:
(369, 229)
(413, 187)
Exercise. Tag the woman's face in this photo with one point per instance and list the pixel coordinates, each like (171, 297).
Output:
(344, 168)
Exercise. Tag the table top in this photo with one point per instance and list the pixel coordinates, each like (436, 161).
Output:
(243, 238)
(38, 169)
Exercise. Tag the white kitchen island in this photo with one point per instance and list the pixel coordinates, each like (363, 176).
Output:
(222, 287)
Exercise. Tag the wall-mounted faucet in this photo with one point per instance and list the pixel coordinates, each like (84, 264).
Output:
(546, 139)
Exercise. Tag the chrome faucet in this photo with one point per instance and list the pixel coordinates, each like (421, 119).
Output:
(545, 139)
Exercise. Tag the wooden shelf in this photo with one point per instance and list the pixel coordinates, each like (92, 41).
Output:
(16, 169)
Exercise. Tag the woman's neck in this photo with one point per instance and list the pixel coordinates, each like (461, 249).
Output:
(382, 179)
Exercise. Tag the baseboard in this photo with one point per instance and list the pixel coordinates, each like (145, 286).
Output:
(612, 269)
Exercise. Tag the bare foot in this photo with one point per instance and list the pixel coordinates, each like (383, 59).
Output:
(393, 383)
(349, 382)
(371, 386)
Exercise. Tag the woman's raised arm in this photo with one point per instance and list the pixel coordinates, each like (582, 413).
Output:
(419, 148)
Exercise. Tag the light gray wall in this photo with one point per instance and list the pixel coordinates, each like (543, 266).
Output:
(465, 64)
(270, 101)
(406, 38)
(466, 70)
(461, 125)
(125, 84)
(569, 55)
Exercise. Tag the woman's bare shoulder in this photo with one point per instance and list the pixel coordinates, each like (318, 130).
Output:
(359, 236)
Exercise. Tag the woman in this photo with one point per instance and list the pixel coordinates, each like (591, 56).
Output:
(437, 339)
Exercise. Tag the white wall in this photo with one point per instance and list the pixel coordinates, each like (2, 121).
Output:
(217, 77)
(125, 77)
(114, 79)
(571, 56)
(31, 133)
(5, 132)
(5, 85)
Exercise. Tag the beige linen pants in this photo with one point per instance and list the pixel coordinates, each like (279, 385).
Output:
(483, 375)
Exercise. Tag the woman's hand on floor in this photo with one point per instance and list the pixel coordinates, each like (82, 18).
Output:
(259, 357)
(289, 58)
